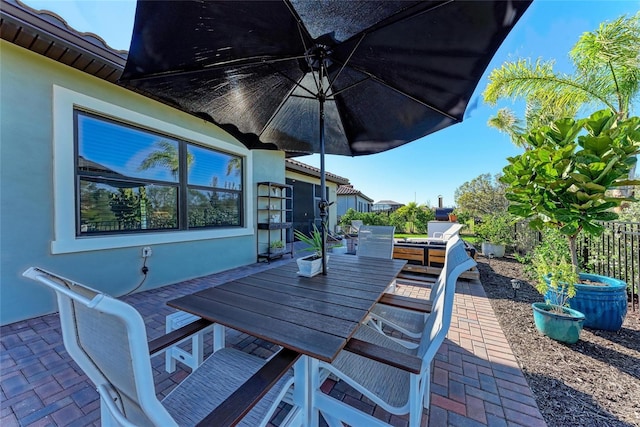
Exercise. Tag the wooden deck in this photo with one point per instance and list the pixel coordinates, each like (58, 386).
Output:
(428, 259)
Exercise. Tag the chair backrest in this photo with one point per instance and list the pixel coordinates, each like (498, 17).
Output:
(457, 261)
(107, 339)
(444, 234)
(452, 231)
(376, 241)
(444, 231)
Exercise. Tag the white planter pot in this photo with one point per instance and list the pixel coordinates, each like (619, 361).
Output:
(490, 248)
(339, 250)
(310, 268)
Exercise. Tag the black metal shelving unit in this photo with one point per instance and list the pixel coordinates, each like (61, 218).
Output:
(274, 206)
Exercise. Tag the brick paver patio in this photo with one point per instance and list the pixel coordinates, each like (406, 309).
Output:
(476, 380)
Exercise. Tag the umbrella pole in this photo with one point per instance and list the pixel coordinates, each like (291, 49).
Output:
(323, 201)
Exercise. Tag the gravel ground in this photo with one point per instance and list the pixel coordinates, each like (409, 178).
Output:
(595, 382)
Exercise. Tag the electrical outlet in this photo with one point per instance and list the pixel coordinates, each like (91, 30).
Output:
(146, 252)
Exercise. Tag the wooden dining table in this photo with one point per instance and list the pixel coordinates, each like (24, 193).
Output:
(314, 316)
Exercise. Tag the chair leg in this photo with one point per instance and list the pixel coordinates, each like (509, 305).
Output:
(415, 402)
(427, 392)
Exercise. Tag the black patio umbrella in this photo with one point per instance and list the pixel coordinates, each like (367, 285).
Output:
(326, 76)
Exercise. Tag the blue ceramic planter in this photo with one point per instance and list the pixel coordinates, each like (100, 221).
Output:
(560, 327)
(604, 307)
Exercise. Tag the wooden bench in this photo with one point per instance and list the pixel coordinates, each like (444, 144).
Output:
(410, 254)
(236, 406)
(239, 403)
(400, 301)
(427, 259)
(174, 354)
(435, 258)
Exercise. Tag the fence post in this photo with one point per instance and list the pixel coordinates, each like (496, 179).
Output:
(585, 252)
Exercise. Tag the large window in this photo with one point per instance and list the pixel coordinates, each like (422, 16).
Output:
(132, 180)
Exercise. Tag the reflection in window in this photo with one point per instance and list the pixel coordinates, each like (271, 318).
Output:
(213, 208)
(107, 207)
(131, 180)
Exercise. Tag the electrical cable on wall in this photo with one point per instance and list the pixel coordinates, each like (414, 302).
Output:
(145, 270)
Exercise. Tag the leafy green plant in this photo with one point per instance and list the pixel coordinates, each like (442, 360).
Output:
(313, 240)
(277, 244)
(561, 182)
(497, 229)
(367, 218)
(550, 267)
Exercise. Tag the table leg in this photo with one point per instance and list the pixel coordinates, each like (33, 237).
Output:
(306, 379)
(218, 337)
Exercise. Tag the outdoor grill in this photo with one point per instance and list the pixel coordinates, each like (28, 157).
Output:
(442, 214)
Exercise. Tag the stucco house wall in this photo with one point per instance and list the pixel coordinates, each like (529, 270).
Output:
(345, 203)
(331, 186)
(350, 198)
(37, 220)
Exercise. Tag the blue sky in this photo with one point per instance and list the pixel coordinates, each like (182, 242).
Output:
(437, 164)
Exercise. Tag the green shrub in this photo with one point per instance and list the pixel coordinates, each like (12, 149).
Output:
(550, 266)
(496, 228)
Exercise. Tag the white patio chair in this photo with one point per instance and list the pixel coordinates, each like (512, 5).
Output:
(444, 236)
(354, 228)
(107, 338)
(390, 375)
(410, 314)
(375, 241)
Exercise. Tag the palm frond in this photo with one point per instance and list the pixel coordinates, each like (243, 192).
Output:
(524, 79)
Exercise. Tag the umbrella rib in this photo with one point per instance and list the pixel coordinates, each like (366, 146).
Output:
(284, 99)
(395, 18)
(305, 97)
(257, 60)
(346, 62)
(401, 92)
(346, 88)
(302, 32)
(296, 83)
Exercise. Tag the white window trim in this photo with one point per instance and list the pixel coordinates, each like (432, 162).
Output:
(65, 239)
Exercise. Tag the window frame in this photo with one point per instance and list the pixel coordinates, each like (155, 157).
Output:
(182, 185)
(65, 240)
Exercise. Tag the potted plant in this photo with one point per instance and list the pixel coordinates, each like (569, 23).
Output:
(496, 232)
(276, 247)
(310, 265)
(563, 181)
(453, 216)
(555, 279)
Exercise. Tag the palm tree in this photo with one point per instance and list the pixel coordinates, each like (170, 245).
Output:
(166, 155)
(234, 166)
(607, 72)
(507, 122)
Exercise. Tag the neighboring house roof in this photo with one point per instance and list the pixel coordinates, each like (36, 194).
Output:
(296, 166)
(47, 34)
(388, 202)
(348, 190)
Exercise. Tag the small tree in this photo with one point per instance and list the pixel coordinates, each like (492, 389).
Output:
(562, 180)
(480, 196)
(412, 216)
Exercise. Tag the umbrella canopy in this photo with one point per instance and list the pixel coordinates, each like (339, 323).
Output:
(338, 77)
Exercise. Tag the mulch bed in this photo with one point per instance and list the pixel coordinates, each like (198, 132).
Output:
(595, 382)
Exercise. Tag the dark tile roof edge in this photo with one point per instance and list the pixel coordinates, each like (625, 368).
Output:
(297, 166)
(348, 190)
(53, 26)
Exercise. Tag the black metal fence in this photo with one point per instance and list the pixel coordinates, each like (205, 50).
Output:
(615, 253)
